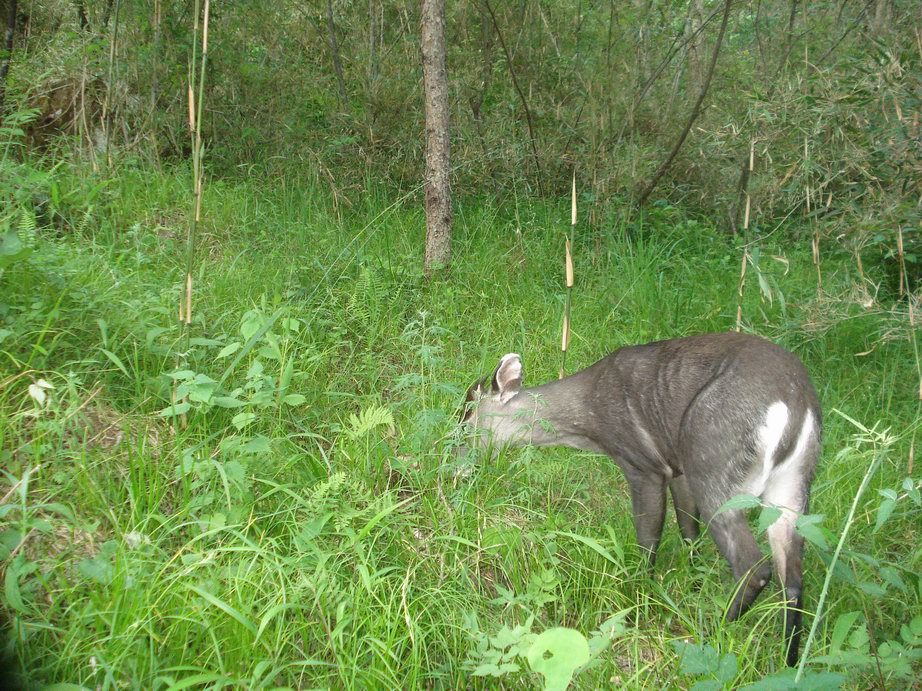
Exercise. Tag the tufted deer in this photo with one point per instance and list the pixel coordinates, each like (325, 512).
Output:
(711, 416)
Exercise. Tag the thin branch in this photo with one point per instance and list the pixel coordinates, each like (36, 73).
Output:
(848, 30)
(696, 111)
(518, 90)
(677, 45)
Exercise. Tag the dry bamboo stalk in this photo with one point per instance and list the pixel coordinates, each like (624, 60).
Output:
(742, 286)
(752, 158)
(205, 31)
(568, 265)
(191, 99)
(904, 288)
(816, 260)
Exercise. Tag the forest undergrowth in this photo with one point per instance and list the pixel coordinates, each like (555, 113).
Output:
(270, 496)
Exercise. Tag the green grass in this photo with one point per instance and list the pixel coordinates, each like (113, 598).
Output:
(321, 533)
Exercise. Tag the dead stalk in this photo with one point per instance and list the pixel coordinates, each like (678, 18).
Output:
(752, 156)
(739, 291)
(568, 262)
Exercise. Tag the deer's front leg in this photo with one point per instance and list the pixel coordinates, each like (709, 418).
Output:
(648, 499)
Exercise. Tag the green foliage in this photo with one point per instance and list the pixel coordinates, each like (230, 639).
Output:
(297, 516)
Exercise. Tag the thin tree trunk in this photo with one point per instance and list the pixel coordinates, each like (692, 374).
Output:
(334, 52)
(7, 52)
(438, 160)
(696, 111)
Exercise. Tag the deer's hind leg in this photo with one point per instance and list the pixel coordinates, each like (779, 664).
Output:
(730, 530)
(686, 509)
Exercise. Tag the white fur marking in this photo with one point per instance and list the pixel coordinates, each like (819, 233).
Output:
(786, 480)
(776, 419)
(805, 432)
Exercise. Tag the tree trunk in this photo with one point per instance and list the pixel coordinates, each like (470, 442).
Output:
(7, 54)
(435, 90)
(334, 51)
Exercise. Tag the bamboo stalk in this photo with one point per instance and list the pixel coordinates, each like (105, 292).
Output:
(106, 103)
(904, 287)
(816, 258)
(568, 264)
(752, 157)
(739, 291)
(195, 92)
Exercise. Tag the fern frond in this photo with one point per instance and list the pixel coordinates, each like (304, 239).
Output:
(27, 223)
(369, 419)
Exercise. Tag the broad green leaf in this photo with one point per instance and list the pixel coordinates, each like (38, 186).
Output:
(872, 589)
(808, 526)
(15, 571)
(12, 249)
(810, 681)
(893, 577)
(487, 670)
(767, 517)
(726, 668)
(706, 685)
(178, 409)
(241, 420)
(556, 654)
(229, 349)
(739, 502)
(843, 625)
(227, 402)
(182, 375)
(697, 659)
(884, 512)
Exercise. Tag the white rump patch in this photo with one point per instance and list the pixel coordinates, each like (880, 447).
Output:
(776, 419)
(786, 482)
(786, 491)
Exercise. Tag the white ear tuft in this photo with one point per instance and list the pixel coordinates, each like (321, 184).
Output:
(507, 380)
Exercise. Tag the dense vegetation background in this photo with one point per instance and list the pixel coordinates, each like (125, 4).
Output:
(267, 496)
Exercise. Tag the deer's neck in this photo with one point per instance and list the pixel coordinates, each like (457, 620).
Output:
(554, 414)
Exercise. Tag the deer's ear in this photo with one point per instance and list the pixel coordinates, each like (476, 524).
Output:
(507, 379)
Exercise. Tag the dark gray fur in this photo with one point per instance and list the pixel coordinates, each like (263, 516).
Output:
(685, 413)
